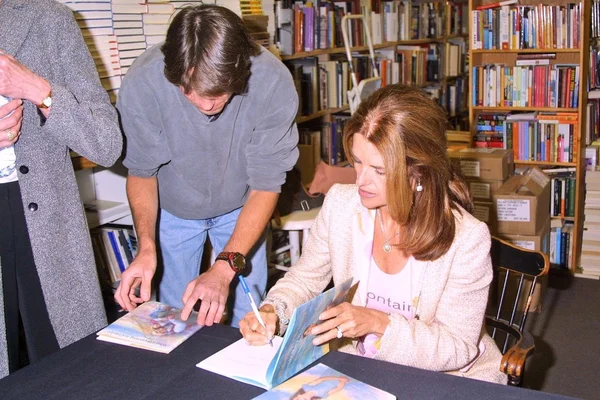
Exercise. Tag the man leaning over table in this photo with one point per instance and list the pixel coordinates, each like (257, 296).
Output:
(209, 123)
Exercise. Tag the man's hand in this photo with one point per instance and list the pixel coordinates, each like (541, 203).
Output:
(253, 331)
(352, 320)
(139, 272)
(212, 289)
(11, 116)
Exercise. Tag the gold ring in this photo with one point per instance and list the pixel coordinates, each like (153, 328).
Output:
(9, 134)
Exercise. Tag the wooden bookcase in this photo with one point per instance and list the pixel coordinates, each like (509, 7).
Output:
(448, 34)
(576, 56)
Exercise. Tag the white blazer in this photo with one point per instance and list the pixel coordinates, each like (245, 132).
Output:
(447, 333)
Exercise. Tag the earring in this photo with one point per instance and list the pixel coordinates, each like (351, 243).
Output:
(419, 186)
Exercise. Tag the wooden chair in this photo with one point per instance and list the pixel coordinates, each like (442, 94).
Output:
(516, 272)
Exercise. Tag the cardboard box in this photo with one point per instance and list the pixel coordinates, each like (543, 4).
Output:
(484, 163)
(484, 211)
(539, 242)
(522, 203)
(483, 190)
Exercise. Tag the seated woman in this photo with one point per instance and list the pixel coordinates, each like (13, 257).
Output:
(405, 233)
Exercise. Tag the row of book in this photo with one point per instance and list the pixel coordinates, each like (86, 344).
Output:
(324, 84)
(452, 97)
(526, 26)
(114, 248)
(551, 137)
(315, 25)
(407, 20)
(321, 84)
(498, 85)
(561, 239)
(311, 25)
(325, 139)
(562, 196)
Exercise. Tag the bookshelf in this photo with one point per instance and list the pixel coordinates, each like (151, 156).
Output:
(504, 85)
(431, 38)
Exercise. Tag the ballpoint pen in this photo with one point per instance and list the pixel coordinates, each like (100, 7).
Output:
(253, 305)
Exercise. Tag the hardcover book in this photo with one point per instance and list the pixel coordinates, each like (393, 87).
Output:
(323, 382)
(151, 326)
(266, 366)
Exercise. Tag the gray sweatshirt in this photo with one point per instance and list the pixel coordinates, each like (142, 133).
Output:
(206, 169)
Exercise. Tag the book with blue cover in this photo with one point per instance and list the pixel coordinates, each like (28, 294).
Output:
(151, 326)
(323, 382)
(266, 366)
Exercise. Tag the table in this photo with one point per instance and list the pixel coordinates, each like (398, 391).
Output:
(92, 369)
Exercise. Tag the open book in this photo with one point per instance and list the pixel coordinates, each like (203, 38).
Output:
(323, 382)
(266, 366)
(151, 326)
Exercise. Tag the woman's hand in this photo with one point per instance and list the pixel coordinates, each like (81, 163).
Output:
(19, 82)
(352, 321)
(11, 117)
(253, 331)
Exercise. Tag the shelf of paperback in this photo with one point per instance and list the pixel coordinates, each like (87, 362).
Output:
(528, 66)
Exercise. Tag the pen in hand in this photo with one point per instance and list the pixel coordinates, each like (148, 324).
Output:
(253, 305)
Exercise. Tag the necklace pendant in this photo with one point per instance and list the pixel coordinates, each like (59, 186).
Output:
(387, 247)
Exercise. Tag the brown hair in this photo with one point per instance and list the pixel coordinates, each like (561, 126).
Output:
(208, 50)
(409, 130)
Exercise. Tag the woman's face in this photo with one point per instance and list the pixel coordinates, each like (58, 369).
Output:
(370, 173)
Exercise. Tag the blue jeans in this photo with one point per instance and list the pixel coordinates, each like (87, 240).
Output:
(181, 246)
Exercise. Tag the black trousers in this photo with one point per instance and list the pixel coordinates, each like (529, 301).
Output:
(25, 312)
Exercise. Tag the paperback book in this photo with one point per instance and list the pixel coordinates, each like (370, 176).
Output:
(266, 366)
(323, 382)
(151, 326)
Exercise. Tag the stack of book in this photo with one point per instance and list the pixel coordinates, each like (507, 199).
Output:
(156, 21)
(590, 248)
(96, 23)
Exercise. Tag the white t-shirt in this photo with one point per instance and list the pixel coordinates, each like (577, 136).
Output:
(391, 293)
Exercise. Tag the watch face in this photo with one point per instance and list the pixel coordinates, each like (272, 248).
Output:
(238, 262)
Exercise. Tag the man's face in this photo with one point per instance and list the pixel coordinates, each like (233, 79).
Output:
(207, 105)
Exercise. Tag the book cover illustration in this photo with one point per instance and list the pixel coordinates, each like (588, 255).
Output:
(266, 366)
(323, 382)
(151, 326)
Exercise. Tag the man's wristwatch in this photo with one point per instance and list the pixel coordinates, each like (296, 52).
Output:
(236, 261)
(47, 102)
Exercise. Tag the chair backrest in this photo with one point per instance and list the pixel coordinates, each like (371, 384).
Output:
(517, 271)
